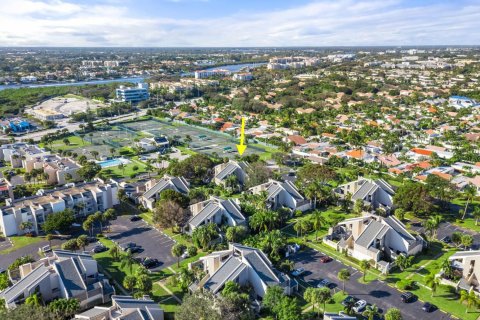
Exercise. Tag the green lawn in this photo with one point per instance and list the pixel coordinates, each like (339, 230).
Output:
(75, 143)
(20, 242)
(127, 171)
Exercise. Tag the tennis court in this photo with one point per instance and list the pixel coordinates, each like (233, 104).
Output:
(202, 140)
(104, 141)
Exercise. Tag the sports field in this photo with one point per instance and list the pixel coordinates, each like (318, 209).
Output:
(203, 140)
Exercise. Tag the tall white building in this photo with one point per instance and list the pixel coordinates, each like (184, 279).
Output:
(133, 94)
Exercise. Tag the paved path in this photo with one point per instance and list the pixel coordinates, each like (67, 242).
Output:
(160, 283)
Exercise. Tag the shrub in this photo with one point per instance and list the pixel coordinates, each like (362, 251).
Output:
(192, 251)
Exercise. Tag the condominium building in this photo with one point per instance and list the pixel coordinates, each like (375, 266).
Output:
(66, 275)
(6, 190)
(132, 94)
(59, 170)
(202, 74)
(123, 308)
(17, 153)
(83, 198)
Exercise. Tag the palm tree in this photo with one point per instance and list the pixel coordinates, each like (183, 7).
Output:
(121, 166)
(432, 282)
(114, 252)
(177, 251)
(470, 192)
(447, 268)
(324, 295)
(302, 225)
(344, 275)
(371, 312)
(127, 261)
(470, 298)
(364, 265)
(476, 214)
(272, 243)
(318, 221)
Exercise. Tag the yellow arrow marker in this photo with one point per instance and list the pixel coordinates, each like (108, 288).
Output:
(242, 146)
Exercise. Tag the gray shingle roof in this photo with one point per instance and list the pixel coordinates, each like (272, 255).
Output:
(229, 270)
(174, 183)
(399, 228)
(31, 279)
(374, 230)
(215, 206)
(228, 170)
(71, 277)
(464, 254)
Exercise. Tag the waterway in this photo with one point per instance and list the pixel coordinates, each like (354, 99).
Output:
(68, 83)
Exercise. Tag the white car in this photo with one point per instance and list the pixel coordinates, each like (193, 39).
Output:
(298, 272)
(359, 305)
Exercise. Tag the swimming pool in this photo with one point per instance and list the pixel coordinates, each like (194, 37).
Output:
(110, 163)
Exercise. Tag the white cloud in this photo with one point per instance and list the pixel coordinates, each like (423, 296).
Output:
(319, 23)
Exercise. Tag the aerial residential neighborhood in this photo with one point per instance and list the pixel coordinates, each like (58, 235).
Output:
(239, 160)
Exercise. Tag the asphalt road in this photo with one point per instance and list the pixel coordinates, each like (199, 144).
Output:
(155, 244)
(446, 229)
(376, 292)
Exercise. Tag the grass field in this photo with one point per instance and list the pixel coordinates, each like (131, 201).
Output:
(20, 242)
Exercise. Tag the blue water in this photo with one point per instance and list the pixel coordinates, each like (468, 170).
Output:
(229, 67)
(110, 163)
(63, 84)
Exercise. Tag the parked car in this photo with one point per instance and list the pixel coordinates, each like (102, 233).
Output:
(135, 218)
(184, 255)
(325, 259)
(99, 248)
(325, 283)
(150, 263)
(407, 297)
(127, 245)
(446, 240)
(92, 239)
(349, 299)
(298, 272)
(135, 249)
(428, 307)
(359, 305)
(46, 249)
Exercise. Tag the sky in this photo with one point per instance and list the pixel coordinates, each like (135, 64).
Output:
(238, 23)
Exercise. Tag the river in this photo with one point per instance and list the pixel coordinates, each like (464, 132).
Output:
(68, 83)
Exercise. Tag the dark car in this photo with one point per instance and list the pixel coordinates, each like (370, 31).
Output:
(135, 249)
(428, 307)
(407, 297)
(325, 259)
(135, 218)
(150, 263)
(99, 248)
(127, 245)
(447, 240)
(349, 299)
(92, 239)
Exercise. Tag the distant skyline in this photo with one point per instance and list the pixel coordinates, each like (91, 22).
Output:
(206, 23)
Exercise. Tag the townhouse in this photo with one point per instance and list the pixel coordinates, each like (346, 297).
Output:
(15, 153)
(6, 190)
(466, 270)
(66, 275)
(83, 198)
(282, 194)
(377, 194)
(154, 189)
(215, 210)
(125, 307)
(243, 265)
(374, 238)
(223, 171)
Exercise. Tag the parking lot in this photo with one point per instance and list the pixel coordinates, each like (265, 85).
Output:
(155, 244)
(446, 229)
(375, 292)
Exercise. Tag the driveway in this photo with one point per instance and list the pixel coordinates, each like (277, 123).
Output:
(376, 292)
(155, 244)
(447, 229)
